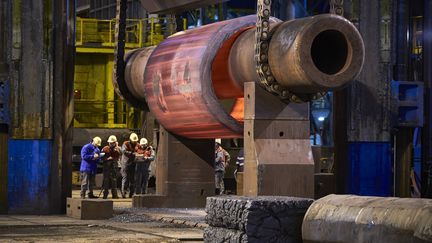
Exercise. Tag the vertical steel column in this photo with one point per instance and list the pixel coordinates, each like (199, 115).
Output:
(63, 74)
(39, 170)
(5, 32)
(368, 124)
(427, 75)
(404, 135)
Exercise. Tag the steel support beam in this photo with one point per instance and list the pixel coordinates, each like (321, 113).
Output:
(427, 75)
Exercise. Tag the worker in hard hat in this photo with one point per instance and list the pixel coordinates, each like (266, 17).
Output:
(128, 165)
(90, 155)
(144, 155)
(112, 154)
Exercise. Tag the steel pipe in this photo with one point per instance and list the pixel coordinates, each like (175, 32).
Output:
(349, 218)
(309, 55)
(193, 81)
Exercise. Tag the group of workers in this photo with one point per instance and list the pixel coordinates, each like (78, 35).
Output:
(132, 157)
(134, 160)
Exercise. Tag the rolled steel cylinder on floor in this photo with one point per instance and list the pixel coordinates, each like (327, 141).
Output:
(348, 218)
(193, 81)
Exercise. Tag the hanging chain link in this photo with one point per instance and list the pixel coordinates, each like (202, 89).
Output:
(262, 42)
(120, 34)
(262, 37)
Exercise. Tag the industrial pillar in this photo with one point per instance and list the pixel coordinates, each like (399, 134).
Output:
(5, 30)
(41, 91)
(368, 167)
(277, 146)
(427, 76)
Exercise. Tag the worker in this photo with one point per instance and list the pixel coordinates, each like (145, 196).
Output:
(112, 154)
(144, 155)
(90, 155)
(219, 168)
(239, 163)
(128, 165)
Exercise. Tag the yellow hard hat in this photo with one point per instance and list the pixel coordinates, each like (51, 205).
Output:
(133, 137)
(112, 139)
(97, 141)
(143, 141)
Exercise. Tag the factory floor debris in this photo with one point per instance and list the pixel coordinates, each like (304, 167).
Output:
(127, 225)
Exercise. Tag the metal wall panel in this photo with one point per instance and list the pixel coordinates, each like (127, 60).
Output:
(29, 176)
(370, 169)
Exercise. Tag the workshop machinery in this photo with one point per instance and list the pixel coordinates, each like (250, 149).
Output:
(231, 79)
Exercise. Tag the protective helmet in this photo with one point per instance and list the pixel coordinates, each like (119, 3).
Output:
(97, 141)
(112, 139)
(143, 141)
(133, 137)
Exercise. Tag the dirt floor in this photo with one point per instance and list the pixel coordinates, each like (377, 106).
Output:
(127, 225)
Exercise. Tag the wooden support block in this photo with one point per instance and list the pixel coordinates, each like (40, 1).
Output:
(89, 208)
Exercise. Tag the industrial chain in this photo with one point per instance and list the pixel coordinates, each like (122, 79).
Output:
(119, 58)
(263, 36)
(119, 49)
(262, 42)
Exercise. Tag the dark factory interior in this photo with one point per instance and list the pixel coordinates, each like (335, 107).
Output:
(216, 121)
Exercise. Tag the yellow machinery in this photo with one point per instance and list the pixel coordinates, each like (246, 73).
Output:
(96, 105)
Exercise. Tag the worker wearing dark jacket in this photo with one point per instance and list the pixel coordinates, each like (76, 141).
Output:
(144, 155)
(219, 167)
(112, 154)
(128, 165)
(90, 155)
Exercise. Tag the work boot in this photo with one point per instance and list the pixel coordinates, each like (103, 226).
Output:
(92, 196)
(105, 196)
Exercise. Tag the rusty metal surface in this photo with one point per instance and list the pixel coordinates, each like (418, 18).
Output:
(175, 6)
(296, 58)
(31, 102)
(349, 218)
(179, 86)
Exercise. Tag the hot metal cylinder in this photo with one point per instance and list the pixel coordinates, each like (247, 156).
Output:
(193, 81)
(178, 82)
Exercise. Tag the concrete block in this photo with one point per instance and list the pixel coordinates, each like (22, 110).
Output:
(89, 208)
(263, 218)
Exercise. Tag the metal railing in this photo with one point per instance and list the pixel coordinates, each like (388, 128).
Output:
(100, 113)
(139, 32)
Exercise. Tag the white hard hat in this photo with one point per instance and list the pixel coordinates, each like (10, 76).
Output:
(112, 139)
(133, 137)
(97, 141)
(143, 141)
